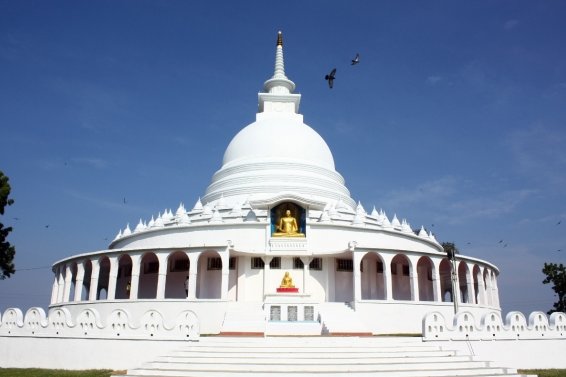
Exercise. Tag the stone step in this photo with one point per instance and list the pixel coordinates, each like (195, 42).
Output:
(318, 359)
(483, 372)
(293, 349)
(313, 354)
(323, 356)
(326, 365)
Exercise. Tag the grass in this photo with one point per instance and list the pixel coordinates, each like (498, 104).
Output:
(544, 372)
(34, 372)
(14, 372)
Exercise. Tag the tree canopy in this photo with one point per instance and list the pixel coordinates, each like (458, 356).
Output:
(450, 249)
(7, 251)
(556, 274)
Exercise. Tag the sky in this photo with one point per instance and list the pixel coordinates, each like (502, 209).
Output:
(454, 119)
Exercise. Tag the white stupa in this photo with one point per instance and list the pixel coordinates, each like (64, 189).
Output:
(276, 207)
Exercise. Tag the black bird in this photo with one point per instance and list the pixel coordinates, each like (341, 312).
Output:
(559, 222)
(356, 60)
(124, 200)
(501, 241)
(330, 77)
(47, 226)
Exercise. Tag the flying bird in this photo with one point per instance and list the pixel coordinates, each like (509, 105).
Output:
(500, 241)
(330, 77)
(124, 200)
(559, 222)
(356, 60)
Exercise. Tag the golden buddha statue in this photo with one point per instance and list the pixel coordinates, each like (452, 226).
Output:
(287, 281)
(287, 227)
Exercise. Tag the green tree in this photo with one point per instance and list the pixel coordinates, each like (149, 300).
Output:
(556, 274)
(7, 251)
(450, 249)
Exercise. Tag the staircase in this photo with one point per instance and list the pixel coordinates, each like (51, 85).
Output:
(339, 319)
(324, 356)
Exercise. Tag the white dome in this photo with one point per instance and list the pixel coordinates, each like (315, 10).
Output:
(278, 155)
(279, 138)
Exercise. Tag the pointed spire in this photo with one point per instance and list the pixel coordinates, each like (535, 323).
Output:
(184, 218)
(198, 205)
(159, 221)
(127, 231)
(406, 227)
(395, 222)
(140, 227)
(180, 210)
(280, 64)
(251, 216)
(279, 88)
(216, 218)
(359, 218)
(374, 213)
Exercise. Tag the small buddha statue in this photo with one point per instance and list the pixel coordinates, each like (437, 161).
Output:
(287, 281)
(287, 227)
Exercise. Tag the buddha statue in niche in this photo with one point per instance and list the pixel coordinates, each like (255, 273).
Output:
(287, 281)
(287, 226)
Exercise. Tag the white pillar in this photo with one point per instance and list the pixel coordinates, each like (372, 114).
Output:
(243, 265)
(193, 271)
(470, 281)
(436, 279)
(481, 287)
(93, 292)
(488, 288)
(266, 269)
(79, 281)
(495, 291)
(414, 277)
(306, 272)
(162, 256)
(135, 278)
(455, 284)
(68, 282)
(112, 277)
(357, 275)
(55, 287)
(387, 258)
(225, 257)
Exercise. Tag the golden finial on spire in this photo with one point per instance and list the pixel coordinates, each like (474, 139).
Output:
(279, 39)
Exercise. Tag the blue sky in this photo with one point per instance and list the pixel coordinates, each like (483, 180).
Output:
(454, 119)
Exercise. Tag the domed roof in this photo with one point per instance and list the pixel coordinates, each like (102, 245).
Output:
(278, 155)
(279, 138)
